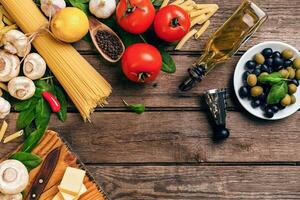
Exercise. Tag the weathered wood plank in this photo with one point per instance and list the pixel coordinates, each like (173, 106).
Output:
(199, 182)
(282, 24)
(122, 137)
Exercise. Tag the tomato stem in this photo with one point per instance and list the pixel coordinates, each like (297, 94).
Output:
(143, 75)
(175, 23)
(130, 9)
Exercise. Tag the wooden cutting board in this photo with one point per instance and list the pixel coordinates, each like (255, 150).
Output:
(67, 158)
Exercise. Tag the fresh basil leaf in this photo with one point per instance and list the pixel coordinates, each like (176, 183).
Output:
(23, 105)
(28, 130)
(137, 108)
(26, 117)
(43, 113)
(33, 139)
(168, 62)
(157, 3)
(62, 114)
(31, 161)
(273, 78)
(44, 86)
(82, 5)
(277, 92)
(38, 92)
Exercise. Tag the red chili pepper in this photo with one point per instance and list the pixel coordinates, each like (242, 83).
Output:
(52, 101)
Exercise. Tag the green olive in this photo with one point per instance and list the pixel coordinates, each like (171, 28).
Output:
(284, 73)
(256, 91)
(287, 54)
(259, 58)
(298, 74)
(252, 80)
(292, 72)
(296, 63)
(264, 74)
(293, 99)
(286, 100)
(292, 88)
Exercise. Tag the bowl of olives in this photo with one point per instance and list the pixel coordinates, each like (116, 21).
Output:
(266, 80)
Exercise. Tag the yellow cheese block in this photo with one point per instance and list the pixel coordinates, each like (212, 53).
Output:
(57, 197)
(72, 181)
(66, 196)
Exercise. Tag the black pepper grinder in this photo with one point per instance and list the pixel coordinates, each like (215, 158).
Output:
(216, 101)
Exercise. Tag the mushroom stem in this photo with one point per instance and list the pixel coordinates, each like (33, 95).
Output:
(20, 93)
(2, 64)
(28, 67)
(10, 175)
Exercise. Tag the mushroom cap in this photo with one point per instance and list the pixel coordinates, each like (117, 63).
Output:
(16, 42)
(11, 196)
(34, 66)
(4, 108)
(9, 66)
(21, 87)
(13, 177)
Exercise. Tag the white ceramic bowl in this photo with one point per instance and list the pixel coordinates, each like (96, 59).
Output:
(241, 68)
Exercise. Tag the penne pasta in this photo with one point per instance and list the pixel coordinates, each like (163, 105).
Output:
(202, 29)
(13, 136)
(177, 2)
(185, 39)
(3, 129)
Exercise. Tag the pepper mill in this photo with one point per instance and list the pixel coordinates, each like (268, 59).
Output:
(216, 101)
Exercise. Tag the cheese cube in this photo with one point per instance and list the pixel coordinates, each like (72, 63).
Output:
(66, 196)
(72, 181)
(57, 197)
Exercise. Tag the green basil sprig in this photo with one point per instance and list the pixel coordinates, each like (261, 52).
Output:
(277, 92)
(273, 78)
(31, 161)
(137, 108)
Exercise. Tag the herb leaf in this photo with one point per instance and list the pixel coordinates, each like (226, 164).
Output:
(277, 92)
(157, 3)
(81, 4)
(31, 161)
(26, 117)
(137, 108)
(43, 113)
(33, 139)
(62, 114)
(23, 105)
(273, 78)
(168, 62)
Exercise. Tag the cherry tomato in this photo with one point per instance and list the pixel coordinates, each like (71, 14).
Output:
(141, 63)
(135, 16)
(171, 23)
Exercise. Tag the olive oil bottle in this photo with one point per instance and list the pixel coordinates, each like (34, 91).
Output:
(226, 41)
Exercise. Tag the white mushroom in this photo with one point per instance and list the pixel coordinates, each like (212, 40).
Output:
(9, 66)
(21, 87)
(16, 42)
(50, 7)
(34, 66)
(4, 108)
(13, 177)
(11, 196)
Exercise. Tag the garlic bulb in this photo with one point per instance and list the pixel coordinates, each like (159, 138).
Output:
(11, 196)
(21, 87)
(13, 177)
(102, 8)
(34, 66)
(9, 66)
(50, 7)
(16, 42)
(4, 108)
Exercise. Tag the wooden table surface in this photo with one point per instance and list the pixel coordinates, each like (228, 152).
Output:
(167, 152)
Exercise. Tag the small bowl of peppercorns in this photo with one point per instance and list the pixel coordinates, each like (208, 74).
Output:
(266, 80)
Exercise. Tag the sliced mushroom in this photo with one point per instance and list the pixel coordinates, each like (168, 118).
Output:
(4, 109)
(11, 196)
(21, 87)
(16, 42)
(34, 66)
(13, 177)
(9, 66)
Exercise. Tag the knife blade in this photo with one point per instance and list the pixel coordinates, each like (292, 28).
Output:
(44, 175)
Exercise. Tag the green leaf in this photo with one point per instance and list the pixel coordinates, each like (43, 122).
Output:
(43, 86)
(168, 62)
(62, 114)
(81, 4)
(33, 139)
(38, 92)
(29, 129)
(137, 108)
(31, 161)
(157, 3)
(273, 78)
(277, 92)
(26, 117)
(43, 113)
(23, 105)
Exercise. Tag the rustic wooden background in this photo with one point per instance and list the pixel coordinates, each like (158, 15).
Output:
(167, 152)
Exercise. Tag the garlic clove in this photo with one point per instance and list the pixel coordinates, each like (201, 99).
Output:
(13, 177)
(16, 42)
(4, 108)
(50, 7)
(34, 66)
(9, 66)
(21, 88)
(102, 8)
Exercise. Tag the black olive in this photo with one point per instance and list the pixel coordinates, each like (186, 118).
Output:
(245, 76)
(269, 113)
(263, 97)
(295, 81)
(275, 108)
(221, 133)
(276, 54)
(251, 64)
(244, 92)
(257, 71)
(278, 63)
(287, 63)
(267, 52)
(280, 107)
(265, 68)
(267, 89)
(255, 103)
(263, 105)
(269, 62)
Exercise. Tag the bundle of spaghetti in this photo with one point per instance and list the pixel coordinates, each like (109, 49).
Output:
(83, 84)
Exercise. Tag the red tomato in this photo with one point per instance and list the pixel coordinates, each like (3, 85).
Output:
(171, 23)
(135, 16)
(141, 63)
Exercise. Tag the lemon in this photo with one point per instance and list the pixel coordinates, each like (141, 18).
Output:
(70, 24)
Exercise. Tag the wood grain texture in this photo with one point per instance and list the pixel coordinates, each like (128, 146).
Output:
(174, 137)
(282, 25)
(199, 182)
